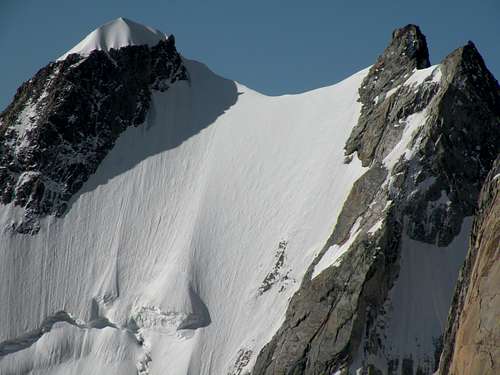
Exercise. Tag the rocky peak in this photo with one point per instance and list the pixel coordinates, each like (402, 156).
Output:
(465, 68)
(429, 135)
(458, 144)
(410, 41)
(406, 53)
(63, 122)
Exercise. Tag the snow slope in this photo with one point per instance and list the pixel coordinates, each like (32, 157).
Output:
(417, 307)
(118, 33)
(160, 261)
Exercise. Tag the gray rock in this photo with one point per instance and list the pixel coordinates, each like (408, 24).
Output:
(331, 315)
(406, 52)
(458, 145)
(63, 122)
(472, 336)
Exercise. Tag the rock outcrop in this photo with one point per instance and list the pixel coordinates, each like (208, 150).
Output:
(429, 136)
(62, 122)
(406, 52)
(471, 343)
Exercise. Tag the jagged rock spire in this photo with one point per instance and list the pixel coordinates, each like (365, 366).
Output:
(411, 42)
(339, 319)
(465, 65)
(406, 52)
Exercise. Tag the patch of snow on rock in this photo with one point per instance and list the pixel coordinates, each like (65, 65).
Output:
(333, 254)
(420, 75)
(412, 124)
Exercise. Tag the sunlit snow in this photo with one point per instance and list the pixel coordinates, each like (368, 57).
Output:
(115, 34)
(171, 239)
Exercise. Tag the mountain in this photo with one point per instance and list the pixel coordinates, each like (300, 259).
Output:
(429, 135)
(159, 219)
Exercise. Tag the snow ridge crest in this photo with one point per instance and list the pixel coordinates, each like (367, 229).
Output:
(115, 34)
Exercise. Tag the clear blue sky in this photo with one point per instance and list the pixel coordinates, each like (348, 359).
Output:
(273, 46)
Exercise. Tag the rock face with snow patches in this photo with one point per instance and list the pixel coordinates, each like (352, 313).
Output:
(63, 121)
(429, 136)
(159, 219)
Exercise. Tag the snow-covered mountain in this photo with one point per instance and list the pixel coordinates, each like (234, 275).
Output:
(159, 219)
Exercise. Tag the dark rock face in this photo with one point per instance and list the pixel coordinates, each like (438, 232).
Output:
(473, 333)
(64, 121)
(406, 52)
(334, 318)
(317, 335)
(458, 147)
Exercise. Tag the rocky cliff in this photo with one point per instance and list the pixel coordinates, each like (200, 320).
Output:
(63, 122)
(471, 343)
(429, 135)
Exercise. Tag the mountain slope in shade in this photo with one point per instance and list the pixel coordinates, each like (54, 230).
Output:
(159, 219)
(471, 340)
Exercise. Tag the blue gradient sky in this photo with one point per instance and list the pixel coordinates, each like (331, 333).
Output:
(275, 47)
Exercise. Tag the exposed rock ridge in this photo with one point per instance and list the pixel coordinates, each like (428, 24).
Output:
(424, 178)
(457, 147)
(62, 123)
(473, 333)
(406, 52)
